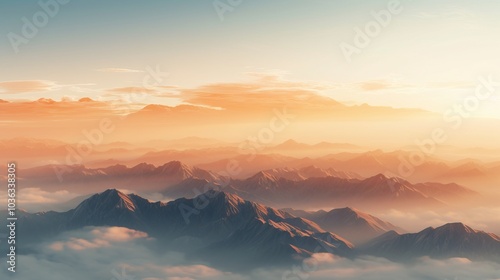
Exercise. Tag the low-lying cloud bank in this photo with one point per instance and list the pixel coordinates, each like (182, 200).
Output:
(372, 268)
(123, 254)
(38, 200)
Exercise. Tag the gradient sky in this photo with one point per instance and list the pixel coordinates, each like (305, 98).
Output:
(430, 55)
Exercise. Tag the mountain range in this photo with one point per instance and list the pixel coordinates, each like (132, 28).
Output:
(369, 193)
(299, 174)
(224, 222)
(215, 156)
(367, 164)
(228, 231)
(142, 176)
(453, 240)
(305, 187)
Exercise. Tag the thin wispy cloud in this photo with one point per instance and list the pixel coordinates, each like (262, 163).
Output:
(380, 85)
(132, 90)
(22, 86)
(45, 86)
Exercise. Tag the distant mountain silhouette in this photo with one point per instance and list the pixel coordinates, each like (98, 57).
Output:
(272, 188)
(448, 241)
(352, 224)
(298, 174)
(369, 193)
(142, 176)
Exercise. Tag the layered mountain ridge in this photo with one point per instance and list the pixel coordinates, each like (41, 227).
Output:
(327, 191)
(224, 229)
(147, 176)
(448, 241)
(214, 220)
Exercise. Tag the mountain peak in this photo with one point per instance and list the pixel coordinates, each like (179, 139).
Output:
(263, 181)
(143, 167)
(383, 179)
(358, 227)
(349, 213)
(110, 192)
(379, 178)
(347, 210)
(109, 199)
(229, 199)
(291, 144)
(263, 175)
(175, 163)
(175, 167)
(311, 168)
(447, 241)
(457, 227)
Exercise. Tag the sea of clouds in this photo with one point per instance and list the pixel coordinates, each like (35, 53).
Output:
(115, 253)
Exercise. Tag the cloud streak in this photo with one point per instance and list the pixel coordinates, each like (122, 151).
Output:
(98, 238)
(23, 86)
